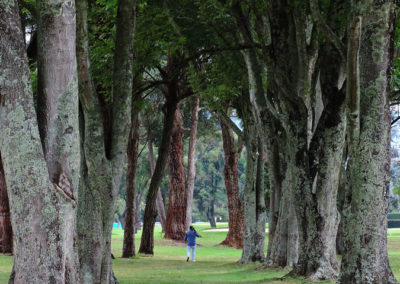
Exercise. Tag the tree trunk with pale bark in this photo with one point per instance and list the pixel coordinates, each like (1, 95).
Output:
(43, 214)
(253, 194)
(370, 59)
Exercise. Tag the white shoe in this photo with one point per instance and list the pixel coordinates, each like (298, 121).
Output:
(194, 260)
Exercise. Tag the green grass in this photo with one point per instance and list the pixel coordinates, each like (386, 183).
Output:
(215, 264)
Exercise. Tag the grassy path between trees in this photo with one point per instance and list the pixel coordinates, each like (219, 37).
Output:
(214, 263)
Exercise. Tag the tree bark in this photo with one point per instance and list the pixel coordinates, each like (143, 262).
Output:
(232, 152)
(58, 110)
(282, 230)
(159, 200)
(191, 171)
(365, 258)
(40, 213)
(6, 235)
(283, 249)
(175, 226)
(103, 156)
(128, 249)
(253, 195)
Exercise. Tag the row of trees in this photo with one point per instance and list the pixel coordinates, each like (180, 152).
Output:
(310, 81)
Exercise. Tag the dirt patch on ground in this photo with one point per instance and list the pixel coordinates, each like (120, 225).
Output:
(223, 230)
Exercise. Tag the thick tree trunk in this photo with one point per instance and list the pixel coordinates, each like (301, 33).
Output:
(150, 212)
(175, 226)
(128, 249)
(282, 230)
(191, 171)
(40, 212)
(159, 200)
(235, 207)
(283, 249)
(103, 156)
(253, 195)
(365, 258)
(6, 236)
(58, 110)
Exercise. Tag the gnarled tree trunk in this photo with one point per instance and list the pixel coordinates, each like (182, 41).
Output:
(103, 156)
(43, 213)
(365, 258)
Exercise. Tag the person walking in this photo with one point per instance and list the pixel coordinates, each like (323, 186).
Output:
(190, 238)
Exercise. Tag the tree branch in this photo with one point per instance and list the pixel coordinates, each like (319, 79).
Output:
(324, 27)
(223, 116)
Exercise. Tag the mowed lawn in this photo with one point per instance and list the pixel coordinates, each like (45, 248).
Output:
(214, 263)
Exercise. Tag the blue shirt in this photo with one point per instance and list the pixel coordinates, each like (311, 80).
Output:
(190, 237)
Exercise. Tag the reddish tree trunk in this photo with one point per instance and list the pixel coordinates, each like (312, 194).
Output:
(129, 228)
(6, 236)
(235, 207)
(176, 214)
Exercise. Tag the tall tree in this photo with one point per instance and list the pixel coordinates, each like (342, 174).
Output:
(191, 168)
(128, 249)
(104, 146)
(42, 214)
(253, 194)
(370, 57)
(232, 150)
(290, 100)
(173, 92)
(176, 214)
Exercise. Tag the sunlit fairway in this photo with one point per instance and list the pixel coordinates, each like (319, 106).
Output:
(215, 264)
